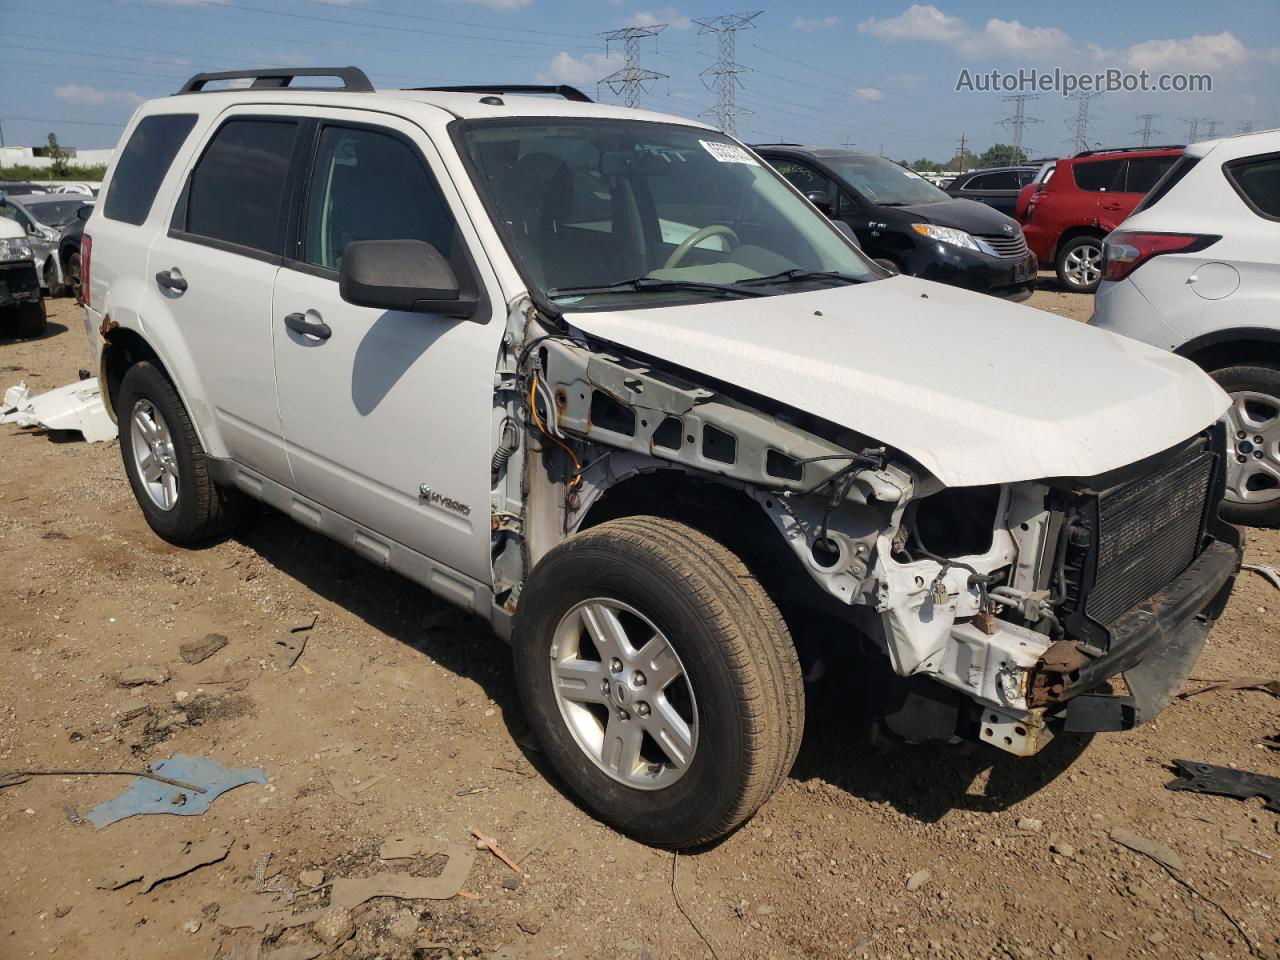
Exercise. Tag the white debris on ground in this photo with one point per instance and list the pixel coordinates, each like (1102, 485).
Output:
(77, 406)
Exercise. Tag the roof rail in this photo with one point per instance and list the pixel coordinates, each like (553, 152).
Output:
(1162, 146)
(277, 78)
(561, 89)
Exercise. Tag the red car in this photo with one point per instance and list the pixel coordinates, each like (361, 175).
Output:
(1066, 215)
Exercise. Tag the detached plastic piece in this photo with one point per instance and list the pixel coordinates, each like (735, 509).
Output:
(77, 406)
(1225, 782)
(149, 796)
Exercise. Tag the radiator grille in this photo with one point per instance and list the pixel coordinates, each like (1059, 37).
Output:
(1004, 246)
(1148, 533)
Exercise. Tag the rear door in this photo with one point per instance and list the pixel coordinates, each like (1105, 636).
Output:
(210, 277)
(389, 402)
(1137, 176)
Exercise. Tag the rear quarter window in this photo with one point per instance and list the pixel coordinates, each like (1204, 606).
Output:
(145, 160)
(1096, 175)
(1257, 180)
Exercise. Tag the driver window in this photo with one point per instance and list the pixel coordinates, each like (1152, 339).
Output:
(367, 185)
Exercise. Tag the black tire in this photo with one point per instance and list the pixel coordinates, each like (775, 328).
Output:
(1071, 279)
(72, 272)
(203, 510)
(737, 654)
(31, 320)
(53, 288)
(1265, 381)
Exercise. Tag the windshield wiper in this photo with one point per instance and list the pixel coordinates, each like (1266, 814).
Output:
(656, 285)
(797, 275)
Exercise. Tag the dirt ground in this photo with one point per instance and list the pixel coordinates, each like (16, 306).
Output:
(400, 720)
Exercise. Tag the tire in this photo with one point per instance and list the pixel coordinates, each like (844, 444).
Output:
(198, 510)
(30, 320)
(1079, 264)
(52, 287)
(1253, 483)
(738, 687)
(72, 272)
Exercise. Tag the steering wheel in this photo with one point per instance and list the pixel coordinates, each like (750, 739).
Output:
(691, 241)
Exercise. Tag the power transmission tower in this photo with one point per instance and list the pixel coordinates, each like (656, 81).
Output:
(1246, 127)
(1147, 130)
(1019, 119)
(724, 72)
(1213, 128)
(1081, 136)
(630, 80)
(1193, 127)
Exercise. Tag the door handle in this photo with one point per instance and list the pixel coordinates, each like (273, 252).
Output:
(1111, 206)
(172, 280)
(298, 323)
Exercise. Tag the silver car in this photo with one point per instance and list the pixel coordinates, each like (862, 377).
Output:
(44, 216)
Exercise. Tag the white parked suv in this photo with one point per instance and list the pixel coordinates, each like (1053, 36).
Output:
(1196, 269)
(606, 379)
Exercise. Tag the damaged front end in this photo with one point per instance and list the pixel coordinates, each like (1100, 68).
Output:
(1004, 610)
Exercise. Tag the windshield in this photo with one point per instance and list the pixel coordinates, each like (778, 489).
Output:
(884, 182)
(55, 213)
(590, 203)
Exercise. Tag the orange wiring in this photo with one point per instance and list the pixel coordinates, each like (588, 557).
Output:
(533, 409)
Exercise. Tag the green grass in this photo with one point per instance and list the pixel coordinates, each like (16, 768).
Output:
(19, 172)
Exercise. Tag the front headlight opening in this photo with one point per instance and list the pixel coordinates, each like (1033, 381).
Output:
(951, 235)
(15, 248)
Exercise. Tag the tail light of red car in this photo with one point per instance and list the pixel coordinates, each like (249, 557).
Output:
(1126, 250)
(86, 254)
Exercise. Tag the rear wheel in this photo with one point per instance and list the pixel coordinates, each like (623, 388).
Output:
(30, 319)
(1079, 264)
(1253, 461)
(167, 468)
(72, 273)
(660, 679)
(51, 284)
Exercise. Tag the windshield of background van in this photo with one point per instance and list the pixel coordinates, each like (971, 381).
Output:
(592, 203)
(885, 182)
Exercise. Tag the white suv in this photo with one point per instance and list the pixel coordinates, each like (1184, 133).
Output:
(1196, 269)
(606, 379)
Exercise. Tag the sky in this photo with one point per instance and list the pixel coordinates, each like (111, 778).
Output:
(878, 74)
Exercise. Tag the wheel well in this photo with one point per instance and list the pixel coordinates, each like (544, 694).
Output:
(1226, 353)
(124, 349)
(1069, 235)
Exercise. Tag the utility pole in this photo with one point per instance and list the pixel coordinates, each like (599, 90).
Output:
(1246, 127)
(962, 163)
(1147, 129)
(848, 144)
(1081, 136)
(724, 72)
(1213, 128)
(1019, 119)
(630, 80)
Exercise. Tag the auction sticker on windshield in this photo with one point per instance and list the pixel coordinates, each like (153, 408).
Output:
(728, 152)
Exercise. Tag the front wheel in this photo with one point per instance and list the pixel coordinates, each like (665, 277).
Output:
(1253, 438)
(660, 679)
(1079, 264)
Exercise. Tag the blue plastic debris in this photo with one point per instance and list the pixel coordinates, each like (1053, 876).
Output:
(150, 796)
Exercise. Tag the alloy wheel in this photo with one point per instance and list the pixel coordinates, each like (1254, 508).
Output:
(153, 454)
(1083, 265)
(1253, 469)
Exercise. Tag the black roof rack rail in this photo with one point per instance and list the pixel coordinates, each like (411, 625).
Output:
(560, 89)
(278, 78)
(1154, 146)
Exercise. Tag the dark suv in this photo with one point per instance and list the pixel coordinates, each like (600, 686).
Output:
(1087, 197)
(996, 186)
(907, 224)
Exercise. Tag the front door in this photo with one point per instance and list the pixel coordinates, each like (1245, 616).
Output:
(387, 404)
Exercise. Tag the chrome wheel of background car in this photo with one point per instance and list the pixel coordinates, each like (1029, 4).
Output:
(1253, 469)
(624, 694)
(153, 455)
(73, 276)
(1083, 265)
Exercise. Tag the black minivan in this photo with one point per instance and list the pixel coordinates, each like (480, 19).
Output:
(907, 224)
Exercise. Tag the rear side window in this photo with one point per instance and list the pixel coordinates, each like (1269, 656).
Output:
(1180, 169)
(1004, 180)
(368, 185)
(1257, 180)
(143, 163)
(1097, 175)
(1145, 172)
(237, 190)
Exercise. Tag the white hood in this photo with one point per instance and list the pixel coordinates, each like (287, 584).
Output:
(976, 389)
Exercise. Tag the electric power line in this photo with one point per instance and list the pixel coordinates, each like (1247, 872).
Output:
(1246, 127)
(725, 71)
(1193, 127)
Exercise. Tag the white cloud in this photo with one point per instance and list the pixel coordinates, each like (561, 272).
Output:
(868, 93)
(1201, 52)
(811, 24)
(926, 23)
(83, 93)
(672, 17)
(580, 71)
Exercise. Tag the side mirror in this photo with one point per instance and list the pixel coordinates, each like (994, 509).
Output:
(847, 230)
(821, 200)
(402, 275)
(85, 212)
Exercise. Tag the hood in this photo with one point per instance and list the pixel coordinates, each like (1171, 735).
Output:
(9, 229)
(977, 390)
(967, 215)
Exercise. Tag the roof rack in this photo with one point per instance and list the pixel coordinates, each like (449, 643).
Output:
(1162, 146)
(561, 89)
(277, 78)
